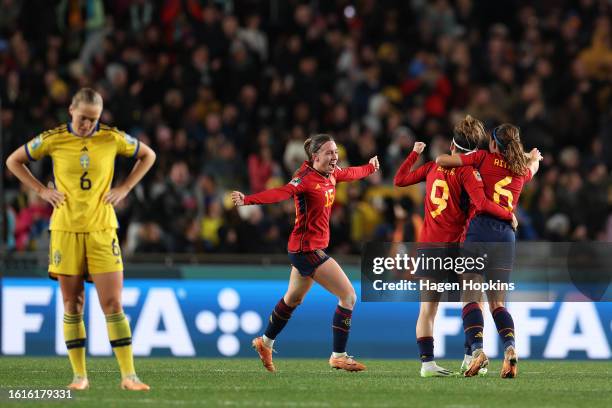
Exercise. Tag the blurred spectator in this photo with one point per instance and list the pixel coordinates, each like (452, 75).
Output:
(227, 99)
(175, 204)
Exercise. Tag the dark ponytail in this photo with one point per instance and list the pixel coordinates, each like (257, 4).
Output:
(314, 143)
(507, 137)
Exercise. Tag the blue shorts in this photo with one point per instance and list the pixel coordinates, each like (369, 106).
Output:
(494, 238)
(307, 262)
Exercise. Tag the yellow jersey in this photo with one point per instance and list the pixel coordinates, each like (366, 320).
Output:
(83, 169)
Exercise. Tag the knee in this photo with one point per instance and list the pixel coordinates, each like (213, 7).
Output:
(74, 305)
(428, 310)
(348, 301)
(294, 301)
(111, 305)
(495, 305)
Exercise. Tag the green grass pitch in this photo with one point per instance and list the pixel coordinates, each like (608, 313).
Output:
(310, 383)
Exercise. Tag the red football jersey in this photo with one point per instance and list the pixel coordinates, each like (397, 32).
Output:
(500, 185)
(314, 196)
(445, 211)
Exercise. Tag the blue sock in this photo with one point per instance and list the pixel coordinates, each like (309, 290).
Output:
(278, 319)
(505, 326)
(473, 322)
(341, 326)
(426, 348)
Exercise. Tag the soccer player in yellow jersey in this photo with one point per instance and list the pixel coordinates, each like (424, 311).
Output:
(84, 226)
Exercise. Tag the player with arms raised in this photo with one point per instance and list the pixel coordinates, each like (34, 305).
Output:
(313, 188)
(83, 227)
(446, 212)
(505, 168)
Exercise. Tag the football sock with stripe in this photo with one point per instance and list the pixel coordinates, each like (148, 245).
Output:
(466, 347)
(120, 337)
(341, 326)
(473, 322)
(278, 319)
(74, 336)
(426, 348)
(505, 326)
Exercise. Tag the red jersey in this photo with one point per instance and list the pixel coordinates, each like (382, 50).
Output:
(500, 185)
(446, 208)
(314, 196)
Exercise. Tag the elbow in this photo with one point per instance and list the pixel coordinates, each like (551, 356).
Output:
(10, 164)
(397, 182)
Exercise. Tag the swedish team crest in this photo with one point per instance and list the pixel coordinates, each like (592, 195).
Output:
(84, 160)
(36, 142)
(57, 257)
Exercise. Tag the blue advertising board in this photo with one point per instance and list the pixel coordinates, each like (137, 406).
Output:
(216, 318)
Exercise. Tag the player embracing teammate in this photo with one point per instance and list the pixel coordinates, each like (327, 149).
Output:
(449, 192)
(505, 168)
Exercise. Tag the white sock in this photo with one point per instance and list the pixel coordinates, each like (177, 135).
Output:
(268, 342)
(467, 358)
(429, 364)
(336, 355)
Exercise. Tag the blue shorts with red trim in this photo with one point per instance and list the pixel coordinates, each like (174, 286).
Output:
(307, 262)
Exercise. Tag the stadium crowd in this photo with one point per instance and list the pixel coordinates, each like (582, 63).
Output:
(227, 91)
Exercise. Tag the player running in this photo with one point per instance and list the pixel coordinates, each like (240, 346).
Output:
(505, 168)
(446, 212)
(84, 242)
(313, 187)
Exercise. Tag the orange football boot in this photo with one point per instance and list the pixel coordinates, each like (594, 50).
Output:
(479, 360)
(133, 383)
(78, 383)
(510, 366)
(345, 363)
(265, 354)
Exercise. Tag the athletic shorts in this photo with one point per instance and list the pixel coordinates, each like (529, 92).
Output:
(84, 253)
(487, 236)
(307, 262)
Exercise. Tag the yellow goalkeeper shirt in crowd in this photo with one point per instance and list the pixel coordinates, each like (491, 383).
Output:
(83, 169)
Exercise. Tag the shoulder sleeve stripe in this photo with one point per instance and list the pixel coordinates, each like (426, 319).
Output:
(111, 129)
(28, 152)
(60, 128)
(137, 149)
(53, 132)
